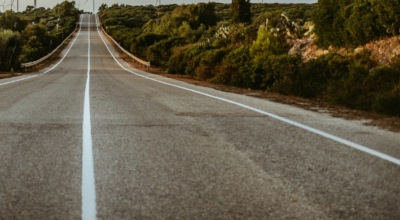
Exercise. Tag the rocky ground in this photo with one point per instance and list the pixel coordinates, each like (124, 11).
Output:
(382, 51)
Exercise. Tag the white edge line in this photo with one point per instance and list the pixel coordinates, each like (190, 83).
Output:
(324, 134)
(88, 181)
(52, 67)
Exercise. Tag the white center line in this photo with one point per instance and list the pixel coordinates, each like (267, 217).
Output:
(88, 184)
(305, 127)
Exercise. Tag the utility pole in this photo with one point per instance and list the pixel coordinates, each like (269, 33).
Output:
(11, 5)
(93, 7)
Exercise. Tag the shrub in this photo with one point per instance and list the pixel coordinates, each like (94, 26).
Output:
(140, 44)
(238, 68)
(265, 45)
(183, 63)
(388, 103)
(280, 73)
(159, 53)
(350, 90)
(208, 61)
(384, 89)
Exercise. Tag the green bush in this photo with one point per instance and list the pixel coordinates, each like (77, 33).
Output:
(159, 53)
(384, 89)
(238, 68)
(350, 91)
(388, 103)
(208, 62)
(265, 45)
(140, 44)
(280, 72)
(185, 63)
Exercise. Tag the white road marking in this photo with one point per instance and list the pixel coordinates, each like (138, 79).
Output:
(17, 80)
(324, 134)
(53, 66)
(88, 182)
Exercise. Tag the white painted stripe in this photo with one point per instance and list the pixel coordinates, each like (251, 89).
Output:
(17, 80)
(88, 184)
(53, 66)
(324, 134)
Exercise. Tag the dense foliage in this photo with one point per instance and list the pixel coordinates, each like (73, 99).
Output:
(222, 44)
(30, 35)
(350, 23)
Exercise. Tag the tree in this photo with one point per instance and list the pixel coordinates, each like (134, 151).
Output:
(32, 50)
(265, 45)
(240, 11)
(10, 49)
(103, 7)
(9, 20)
(202, 13)
(64, 9)
(29, 8)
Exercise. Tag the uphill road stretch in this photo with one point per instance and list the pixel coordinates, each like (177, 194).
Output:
(91, 137)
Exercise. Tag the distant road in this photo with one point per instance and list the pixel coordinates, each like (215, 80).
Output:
(92, 136)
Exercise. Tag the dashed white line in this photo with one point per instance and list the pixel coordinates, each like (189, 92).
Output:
(88, 182)
(313, 130)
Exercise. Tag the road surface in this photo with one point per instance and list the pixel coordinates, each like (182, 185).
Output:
(92, 137)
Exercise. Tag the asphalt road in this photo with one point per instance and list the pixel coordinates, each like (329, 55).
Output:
(89, 138)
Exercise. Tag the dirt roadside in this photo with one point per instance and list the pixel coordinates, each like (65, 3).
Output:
(369, 118)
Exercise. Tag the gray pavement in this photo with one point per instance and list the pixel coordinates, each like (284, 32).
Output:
(161, 152)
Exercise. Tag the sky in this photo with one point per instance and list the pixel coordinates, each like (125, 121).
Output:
(89, 5)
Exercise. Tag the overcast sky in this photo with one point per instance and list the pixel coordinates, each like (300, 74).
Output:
(89, 5)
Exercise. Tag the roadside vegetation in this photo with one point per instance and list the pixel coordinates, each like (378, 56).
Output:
(29, 35)
(246, 45)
